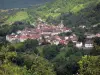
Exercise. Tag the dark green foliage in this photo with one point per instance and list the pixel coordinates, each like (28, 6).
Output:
(65, 34)
(28, 45)
(80, 34)
(50, 51)
(96, 50)
(41, 66)
(70, 44)
(95, 29)
(12, 63)
(81, 38)
(8, 29)
(97, 41)
(66, 61)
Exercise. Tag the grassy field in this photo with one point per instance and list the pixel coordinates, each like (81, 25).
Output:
(19, 16)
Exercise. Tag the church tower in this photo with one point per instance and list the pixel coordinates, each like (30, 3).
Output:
(61, 24)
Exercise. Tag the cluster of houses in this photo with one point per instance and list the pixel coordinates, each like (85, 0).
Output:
(51, 35)
(88, 41)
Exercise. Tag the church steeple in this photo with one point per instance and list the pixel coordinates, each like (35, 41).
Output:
(61, 24)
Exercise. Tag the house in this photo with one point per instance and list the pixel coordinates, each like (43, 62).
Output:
(79, 44)
(74, 39)
(55, 33)
(95, 25)
(65, 29)
(66, 37)
(63, 42)
(12, 38)
(89, 44)
(57, 37)
(82, 26)
(98, 35)
(18, 32)
(89, 35)
(23, 38)
(56, 42)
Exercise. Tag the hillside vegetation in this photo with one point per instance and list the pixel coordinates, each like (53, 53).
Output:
(62, 6)
(19, 16)
(72, 12)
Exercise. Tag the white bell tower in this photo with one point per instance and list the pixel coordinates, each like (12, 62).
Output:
(61, 24)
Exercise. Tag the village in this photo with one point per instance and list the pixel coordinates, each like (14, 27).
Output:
(50, 34)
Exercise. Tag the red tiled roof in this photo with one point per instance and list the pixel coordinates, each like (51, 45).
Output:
(65, 28)
(62, 41)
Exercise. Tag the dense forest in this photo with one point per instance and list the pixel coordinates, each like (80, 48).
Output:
(30, 58)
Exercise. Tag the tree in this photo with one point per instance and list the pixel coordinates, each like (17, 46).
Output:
(38, 65)
(89, 65)
(31, 44)
(81, 38)
(49, 19)
(41, 66)
(96, 50)
(28, 45)
(50, 51)
(65, 34)
(23, 64)
(7, 67)
(66, 61)
(11, 69)
(97, 41)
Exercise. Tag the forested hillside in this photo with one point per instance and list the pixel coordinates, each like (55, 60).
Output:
(73, 12)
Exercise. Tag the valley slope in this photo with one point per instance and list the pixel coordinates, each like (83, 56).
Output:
(72, 12)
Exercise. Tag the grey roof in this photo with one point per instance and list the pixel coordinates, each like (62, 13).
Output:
(89, 42)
